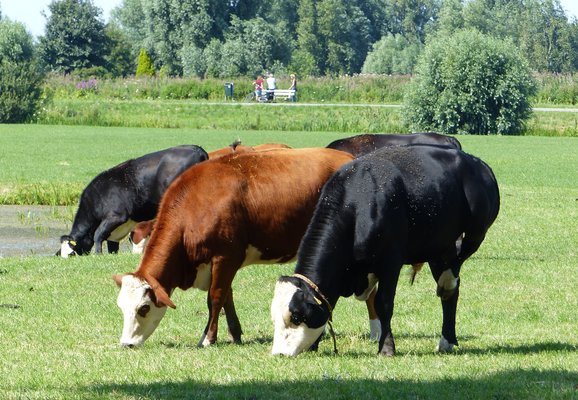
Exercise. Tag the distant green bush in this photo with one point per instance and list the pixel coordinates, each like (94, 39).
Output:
(470, 83)
(145, 67)
(20, 75)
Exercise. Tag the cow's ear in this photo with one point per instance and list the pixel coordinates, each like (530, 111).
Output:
(162, 298)
(118, 279)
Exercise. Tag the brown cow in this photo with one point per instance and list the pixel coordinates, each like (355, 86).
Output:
(221, 215)
(140, 234)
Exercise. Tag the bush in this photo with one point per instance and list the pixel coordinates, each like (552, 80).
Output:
(469, 83)
(20, 76)
(145, 67)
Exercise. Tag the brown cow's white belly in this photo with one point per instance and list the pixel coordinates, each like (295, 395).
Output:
(122, 231)
(252, 256)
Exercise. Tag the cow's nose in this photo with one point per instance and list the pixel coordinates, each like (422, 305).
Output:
(127, 345)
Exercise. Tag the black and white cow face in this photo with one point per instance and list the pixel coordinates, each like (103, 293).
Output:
(299, 318)
(141, 313)
(71, 247)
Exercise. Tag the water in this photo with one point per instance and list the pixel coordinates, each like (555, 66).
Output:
(33, 230)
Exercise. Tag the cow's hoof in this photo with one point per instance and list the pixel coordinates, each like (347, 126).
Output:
(444, 346)
(388, 348)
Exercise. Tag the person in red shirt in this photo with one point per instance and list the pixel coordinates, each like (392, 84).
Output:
(258, 87)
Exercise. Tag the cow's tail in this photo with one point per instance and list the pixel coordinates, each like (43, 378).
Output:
(415, 268)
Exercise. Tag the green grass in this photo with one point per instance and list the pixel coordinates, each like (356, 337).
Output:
(517, 319)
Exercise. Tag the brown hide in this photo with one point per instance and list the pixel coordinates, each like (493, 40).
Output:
(215, 210)
(237, 147)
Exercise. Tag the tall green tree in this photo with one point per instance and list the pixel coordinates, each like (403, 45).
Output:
(20, 75)
(345, 30)
(309, 57)
(75, 37)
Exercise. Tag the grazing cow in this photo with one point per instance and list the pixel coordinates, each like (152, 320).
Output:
(362, 144)
(141, 232)
(116, 199)
(395, 206)
(218, 216)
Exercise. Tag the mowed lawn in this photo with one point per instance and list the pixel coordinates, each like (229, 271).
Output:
(517, 318)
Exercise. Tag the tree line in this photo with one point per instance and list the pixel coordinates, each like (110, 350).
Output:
(214, 38)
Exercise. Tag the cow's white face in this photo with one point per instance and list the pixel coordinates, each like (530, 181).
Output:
(66, 249)
(290, 317)
(141, 315)
(138, 248)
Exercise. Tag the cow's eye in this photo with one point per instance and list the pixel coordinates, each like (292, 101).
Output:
(296, 318)
(143, 310)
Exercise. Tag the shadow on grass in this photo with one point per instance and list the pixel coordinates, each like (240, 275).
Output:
(514, 384)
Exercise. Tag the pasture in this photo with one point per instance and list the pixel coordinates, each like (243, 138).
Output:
(517, 321)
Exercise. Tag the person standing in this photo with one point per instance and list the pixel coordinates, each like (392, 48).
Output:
(271, 86)
(293, 86)
(258, 87)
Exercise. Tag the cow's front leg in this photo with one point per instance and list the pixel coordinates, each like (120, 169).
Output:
(112, 246)
(233, 322)
(222, 274)
(384, 303)
(104, 230)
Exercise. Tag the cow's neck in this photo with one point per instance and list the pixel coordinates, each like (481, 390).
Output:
(326, 270)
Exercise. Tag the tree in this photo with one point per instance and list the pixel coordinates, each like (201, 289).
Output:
(20, 76)
(74, 37)
(469, 83)
(119, 58)
(145, 67)
(309, 58)
(392, 54)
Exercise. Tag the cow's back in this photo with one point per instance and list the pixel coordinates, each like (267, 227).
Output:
(360, 145)
(413, 202)
(259, 199)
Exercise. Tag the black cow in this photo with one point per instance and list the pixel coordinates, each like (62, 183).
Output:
(116, 199)
(362, 144)
(395, 206)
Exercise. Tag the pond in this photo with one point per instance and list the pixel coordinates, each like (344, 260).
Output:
(36, 230)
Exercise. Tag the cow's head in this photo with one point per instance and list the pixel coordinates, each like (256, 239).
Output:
(72, 247)
(299, 316)
(143, 305)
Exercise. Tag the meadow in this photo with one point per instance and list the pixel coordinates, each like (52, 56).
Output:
(517, 320)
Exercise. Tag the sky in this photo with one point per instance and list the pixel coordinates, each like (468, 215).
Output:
(29, 11)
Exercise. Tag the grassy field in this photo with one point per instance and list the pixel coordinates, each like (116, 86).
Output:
(517, 320)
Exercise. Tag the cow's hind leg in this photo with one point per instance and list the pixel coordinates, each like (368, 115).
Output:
(449, 309)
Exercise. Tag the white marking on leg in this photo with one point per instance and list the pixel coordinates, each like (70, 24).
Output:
(374, 329)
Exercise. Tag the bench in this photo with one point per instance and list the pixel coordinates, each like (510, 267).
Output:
(285, 94)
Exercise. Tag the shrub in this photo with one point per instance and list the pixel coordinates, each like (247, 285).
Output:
(469, 83)
(20, 76)
(145, 67)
